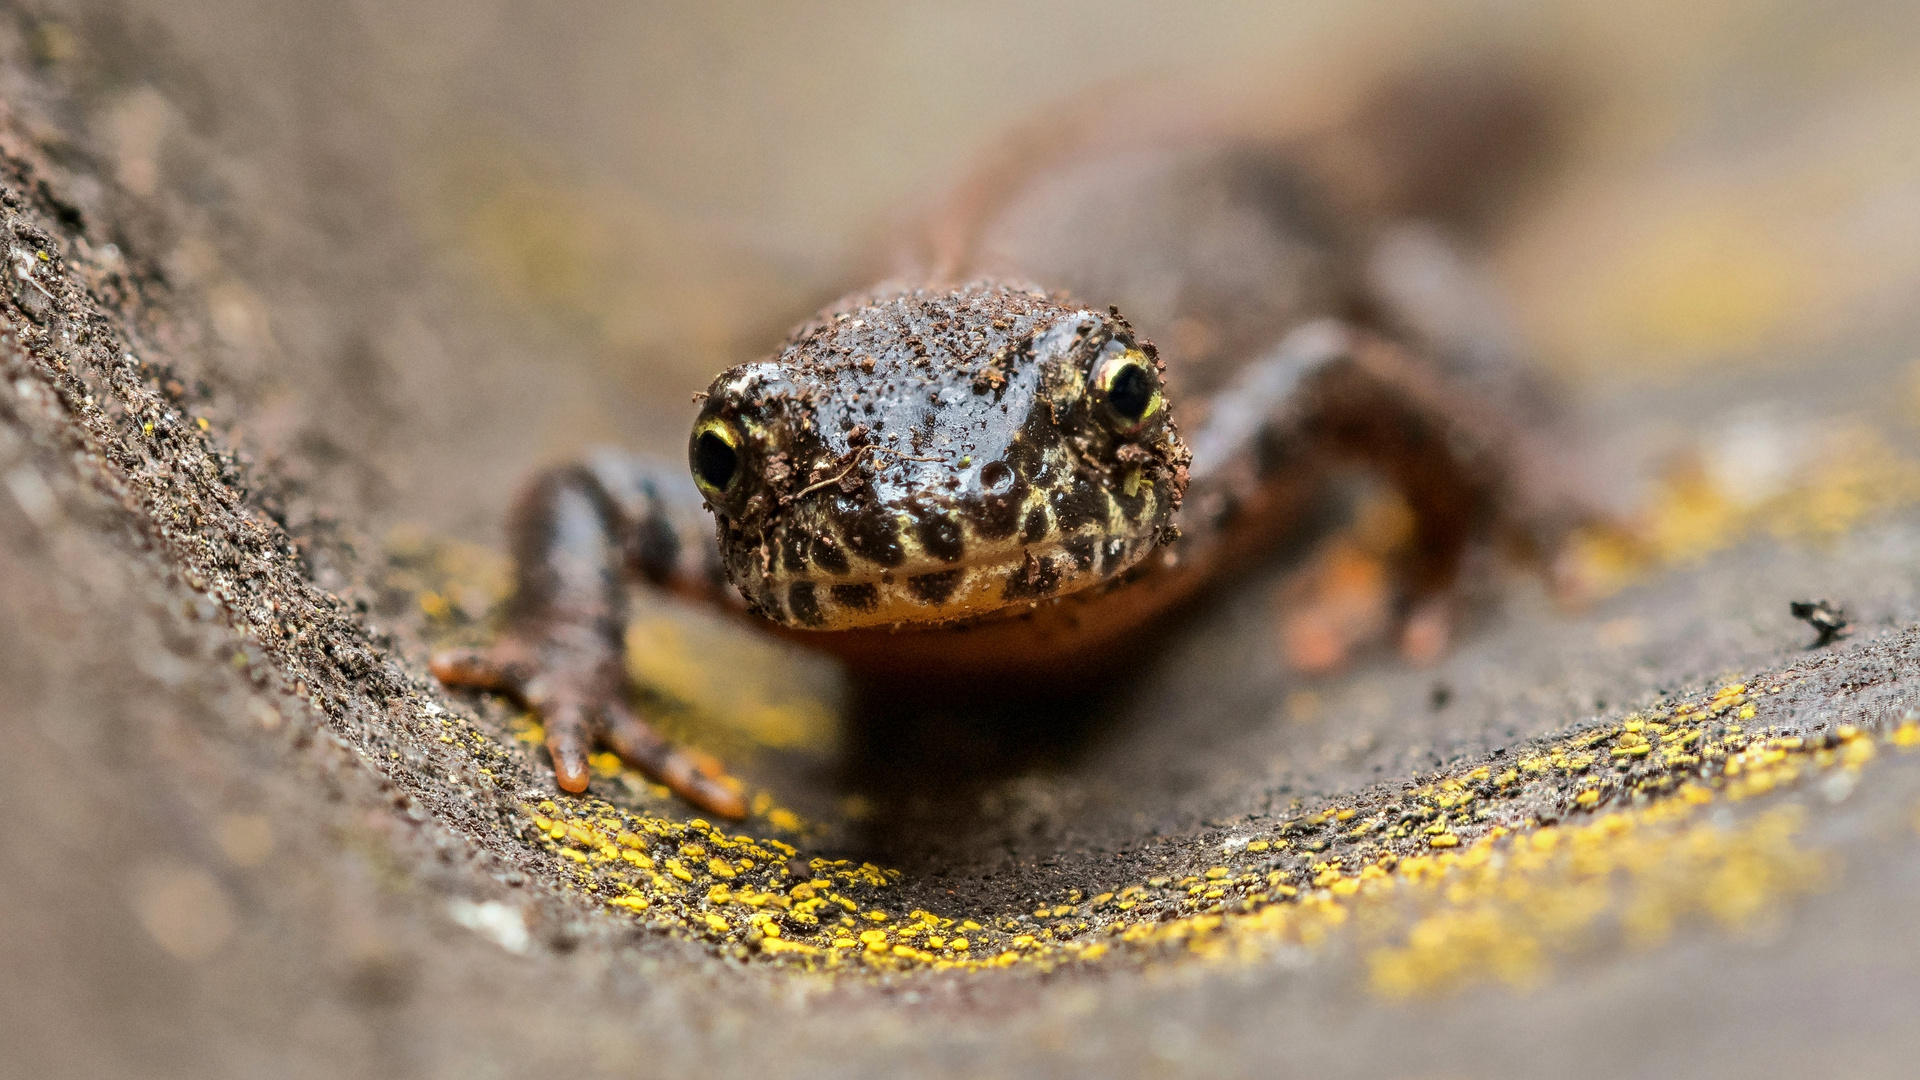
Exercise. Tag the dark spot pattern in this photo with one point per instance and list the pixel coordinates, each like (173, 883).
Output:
(1025, 455)
(858, 597)
(875, 535)
(1038, 577)
(939, 535)
(656, 548)
(1037, 527)
(802, 604)
(1078, 507)
(934, 588)
(996, 517)
(793, 551)
(828, 556)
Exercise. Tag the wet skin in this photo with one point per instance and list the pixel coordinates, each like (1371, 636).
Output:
(976, 478)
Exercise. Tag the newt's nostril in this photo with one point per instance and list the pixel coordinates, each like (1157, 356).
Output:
(996, 477)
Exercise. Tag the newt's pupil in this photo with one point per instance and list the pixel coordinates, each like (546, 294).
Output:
(1130, 392)
(715, 460)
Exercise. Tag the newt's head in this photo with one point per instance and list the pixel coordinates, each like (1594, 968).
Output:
(932, 456)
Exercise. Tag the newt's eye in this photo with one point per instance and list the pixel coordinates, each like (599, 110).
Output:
(1130, 389)
(715, 457)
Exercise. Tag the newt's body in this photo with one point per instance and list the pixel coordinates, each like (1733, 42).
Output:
(973, 476)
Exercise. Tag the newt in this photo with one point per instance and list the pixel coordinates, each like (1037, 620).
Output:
(983, 470)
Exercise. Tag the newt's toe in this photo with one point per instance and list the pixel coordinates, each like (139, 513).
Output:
(569, 740)
(474, 668)
(583, 705)
(695, 777)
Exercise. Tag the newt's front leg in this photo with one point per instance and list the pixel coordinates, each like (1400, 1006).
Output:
(576, 533)
(1328, 393)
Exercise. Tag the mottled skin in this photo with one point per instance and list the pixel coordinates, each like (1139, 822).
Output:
(927, 457)
(977, 477)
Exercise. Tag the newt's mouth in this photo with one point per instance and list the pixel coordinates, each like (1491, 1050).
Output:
(995, 576)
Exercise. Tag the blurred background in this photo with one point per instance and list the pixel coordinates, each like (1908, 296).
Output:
(568, 216)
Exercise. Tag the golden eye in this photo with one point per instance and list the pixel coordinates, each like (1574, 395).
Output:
(714, 453)
(1131, 390)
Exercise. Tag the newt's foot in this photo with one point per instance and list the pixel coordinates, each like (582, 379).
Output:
(1343, 601)
(1333, 607)
(582, 704)
(1427, 630)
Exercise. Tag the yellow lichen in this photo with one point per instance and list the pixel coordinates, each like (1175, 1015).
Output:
(1837, 478)
(1448, 898)
(1497, 905)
